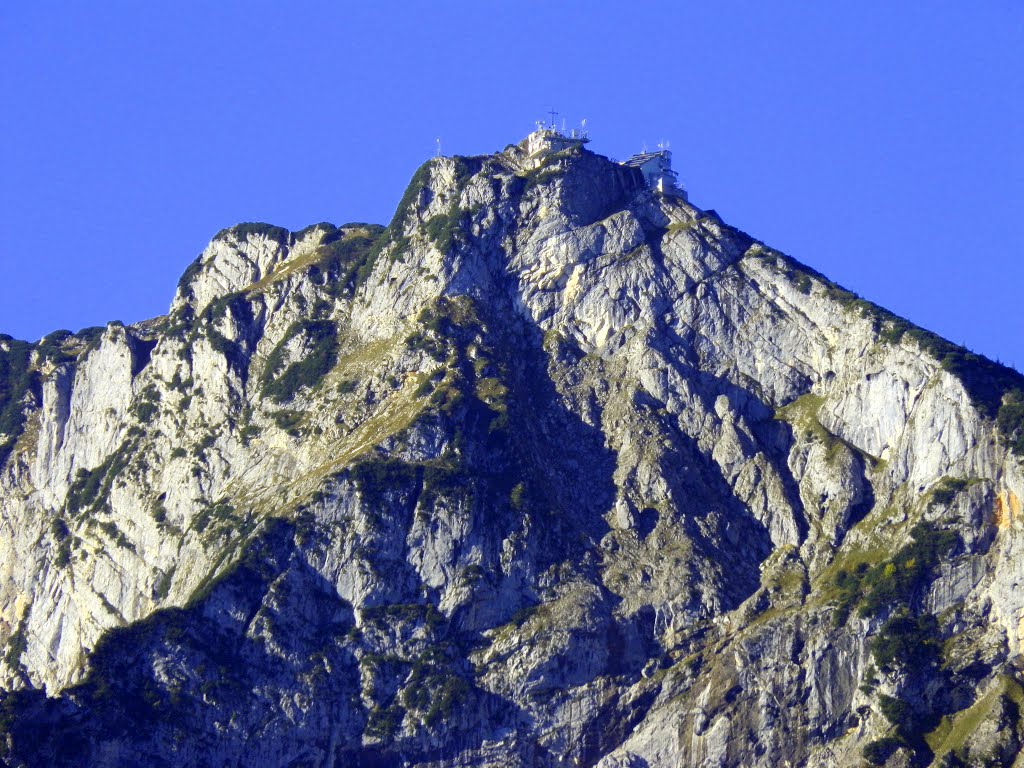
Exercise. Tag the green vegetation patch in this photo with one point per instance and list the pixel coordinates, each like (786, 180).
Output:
(433, 692)
(256, 228)
(954, 732)
(346, 261)
(911, 644)
(877, 752)
(188, 276)
(378, 476)
(443, 228)
(116, 535)
(319, 338)
(289, 421)
(493, 391)
(16, 644)
(383, 723)
(896, 582)
(239, 308)
(947, 489)
(795, 273)
(61, 535)
(17, 380)
(162, 588)
(53, 348)
(907, 641)
(548, 168)
(430, 692)
(146, 405)
(90, 489)
(158, 509)
(445, 481)
(681, 226)
(802, 415)
(220, 511)
(1010, 419)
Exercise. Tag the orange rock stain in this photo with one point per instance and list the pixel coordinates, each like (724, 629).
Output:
(1007, 509)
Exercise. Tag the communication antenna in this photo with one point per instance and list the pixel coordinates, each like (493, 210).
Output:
(553, 116)
(438, 146)
(563, 125)
(583, 127)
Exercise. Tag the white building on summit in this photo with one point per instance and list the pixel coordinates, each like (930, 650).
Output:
(546, 140)
(656, 167)
(657, 170)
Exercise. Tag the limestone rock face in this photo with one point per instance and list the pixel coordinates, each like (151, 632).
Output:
(555, 469)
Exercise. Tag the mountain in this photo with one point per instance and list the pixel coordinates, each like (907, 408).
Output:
(556, 469)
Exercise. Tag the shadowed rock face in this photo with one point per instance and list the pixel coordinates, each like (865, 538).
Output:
(552, 470)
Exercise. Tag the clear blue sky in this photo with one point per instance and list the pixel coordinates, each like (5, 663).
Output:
(878, 142)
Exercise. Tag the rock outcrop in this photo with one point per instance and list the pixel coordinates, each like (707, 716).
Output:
(555, 469)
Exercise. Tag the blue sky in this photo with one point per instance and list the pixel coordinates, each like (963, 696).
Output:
(880, 143)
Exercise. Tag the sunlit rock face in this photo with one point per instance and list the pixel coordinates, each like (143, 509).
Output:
(557, 469)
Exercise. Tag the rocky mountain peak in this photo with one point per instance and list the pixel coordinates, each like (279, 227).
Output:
(556, 467)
